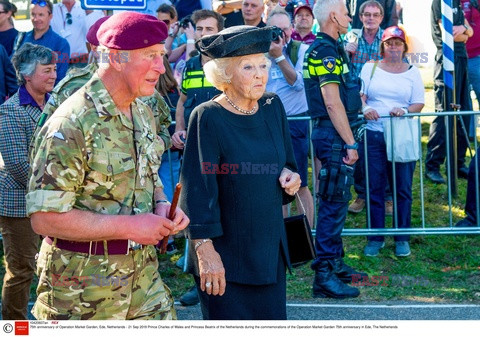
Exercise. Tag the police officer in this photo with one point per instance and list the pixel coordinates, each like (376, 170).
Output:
(94, 192)
(195, 88)
(334, 102)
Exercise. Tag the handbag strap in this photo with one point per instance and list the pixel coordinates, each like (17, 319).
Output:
(375, 65)
(300, 200)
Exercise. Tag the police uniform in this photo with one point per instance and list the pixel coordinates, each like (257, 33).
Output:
(325, 64)
(195, 86)
(85, 160)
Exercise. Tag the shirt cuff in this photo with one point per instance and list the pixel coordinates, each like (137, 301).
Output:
(49, 201)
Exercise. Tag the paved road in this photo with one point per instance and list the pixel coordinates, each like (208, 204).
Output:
(341, 310)
(326, 310)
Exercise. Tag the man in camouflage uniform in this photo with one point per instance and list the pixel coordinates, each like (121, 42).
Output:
(77, 77)
(94, 186)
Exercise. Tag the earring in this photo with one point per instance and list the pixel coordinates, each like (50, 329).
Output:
(229, 81)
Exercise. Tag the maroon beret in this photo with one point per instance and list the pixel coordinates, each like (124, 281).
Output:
(92, 32)
(131, 30)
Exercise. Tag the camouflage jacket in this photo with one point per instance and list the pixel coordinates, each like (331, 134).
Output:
(77, 79)
(90, 156)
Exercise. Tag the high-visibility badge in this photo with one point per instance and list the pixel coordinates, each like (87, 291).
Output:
(329, 63)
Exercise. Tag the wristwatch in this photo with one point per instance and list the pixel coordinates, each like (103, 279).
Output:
(354, 146)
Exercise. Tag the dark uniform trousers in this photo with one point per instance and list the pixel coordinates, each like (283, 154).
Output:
(331, 214)
(436, 145)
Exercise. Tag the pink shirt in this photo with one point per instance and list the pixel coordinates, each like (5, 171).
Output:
(308, 39)
(473, 17)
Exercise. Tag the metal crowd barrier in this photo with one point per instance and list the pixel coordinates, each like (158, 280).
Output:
(424, 229)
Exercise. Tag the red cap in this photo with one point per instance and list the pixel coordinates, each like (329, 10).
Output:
(393, 32)
(92, 32)
(307, 7)
(131, 30)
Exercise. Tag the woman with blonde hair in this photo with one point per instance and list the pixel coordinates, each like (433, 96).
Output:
(238, 169)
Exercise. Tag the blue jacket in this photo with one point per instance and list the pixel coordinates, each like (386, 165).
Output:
(8, 80)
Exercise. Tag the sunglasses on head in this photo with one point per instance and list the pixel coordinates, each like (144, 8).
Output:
(41, 3)
(68, 18)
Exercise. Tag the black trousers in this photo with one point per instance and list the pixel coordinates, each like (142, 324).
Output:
(436, 146)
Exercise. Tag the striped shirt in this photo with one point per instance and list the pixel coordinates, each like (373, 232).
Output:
(366, 52)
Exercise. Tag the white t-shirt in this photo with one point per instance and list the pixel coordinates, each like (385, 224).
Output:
(388, 90)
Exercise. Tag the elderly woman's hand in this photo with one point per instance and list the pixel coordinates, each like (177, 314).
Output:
(212, 273)
(397, 112)
(290, 181)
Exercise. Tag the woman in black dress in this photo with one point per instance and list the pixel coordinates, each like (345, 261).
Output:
(238, 169)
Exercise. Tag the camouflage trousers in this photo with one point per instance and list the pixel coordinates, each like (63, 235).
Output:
(81, 286)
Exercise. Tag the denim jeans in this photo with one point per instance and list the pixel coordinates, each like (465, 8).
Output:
(474, 78)
(331, 214)
(359, 176)
(170, 178)
(380, 171)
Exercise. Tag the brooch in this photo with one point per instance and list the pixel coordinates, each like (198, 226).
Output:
(269, 101)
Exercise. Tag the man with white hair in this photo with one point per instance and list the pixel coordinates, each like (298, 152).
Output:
(252, 11)
(94, 191)
(334, 104)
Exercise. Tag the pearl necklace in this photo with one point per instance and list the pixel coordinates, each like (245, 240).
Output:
(243, 111)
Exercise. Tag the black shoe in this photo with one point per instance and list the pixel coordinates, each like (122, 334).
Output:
(190, 297)
(465, 223)
(344, 272)
(463, 172)
(327, 284)
(435, 177)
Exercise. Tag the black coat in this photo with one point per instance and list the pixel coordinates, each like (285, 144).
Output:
(237, 199)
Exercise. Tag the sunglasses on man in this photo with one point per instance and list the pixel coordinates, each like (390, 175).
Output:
(41, 3)
(68, 18)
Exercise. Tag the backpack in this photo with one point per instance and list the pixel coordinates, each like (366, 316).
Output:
(292, 51)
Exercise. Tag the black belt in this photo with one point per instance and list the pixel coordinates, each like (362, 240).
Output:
(327, 123)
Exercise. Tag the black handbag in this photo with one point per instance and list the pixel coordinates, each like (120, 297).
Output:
(301, 248)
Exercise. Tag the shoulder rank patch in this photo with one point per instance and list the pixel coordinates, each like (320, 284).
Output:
(329, 63)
